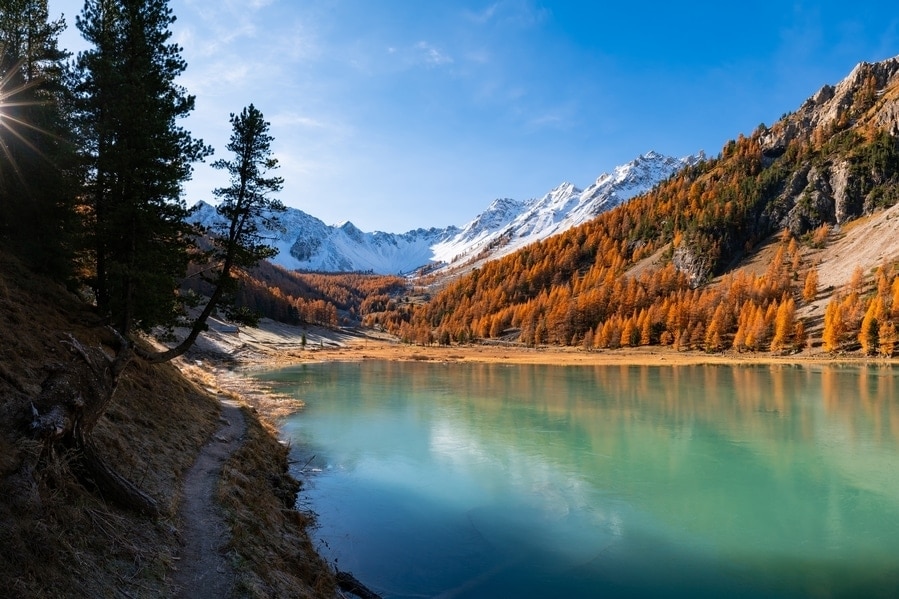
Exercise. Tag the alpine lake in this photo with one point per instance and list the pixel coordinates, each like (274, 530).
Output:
(493, 480)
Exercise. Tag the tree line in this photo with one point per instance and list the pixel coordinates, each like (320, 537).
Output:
(91, 188)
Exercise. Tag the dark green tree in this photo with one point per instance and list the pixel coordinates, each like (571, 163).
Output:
(248, 212)
(37, 158)
(140, 239)
(138, 158)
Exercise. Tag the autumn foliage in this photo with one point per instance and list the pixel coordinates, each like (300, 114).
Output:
(328, 299)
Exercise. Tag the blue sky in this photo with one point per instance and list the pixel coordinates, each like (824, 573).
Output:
(398, 114)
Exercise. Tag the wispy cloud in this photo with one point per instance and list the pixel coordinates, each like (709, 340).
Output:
(483, 16)
(520, 13)
(431, 55)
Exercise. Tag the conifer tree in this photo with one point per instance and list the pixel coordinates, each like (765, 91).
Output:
(810, 288)
(784, 324)
(870, 326)
(834, 325)
(799, 338)
(887, 338)
(894, 298)
(138, 158)
(37, 158)
(248, 209)
(713, 334)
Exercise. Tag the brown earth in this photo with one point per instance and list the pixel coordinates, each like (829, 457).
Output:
(60, 538)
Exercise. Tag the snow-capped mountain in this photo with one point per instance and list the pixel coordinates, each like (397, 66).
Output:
(307, 243)
(507, 226)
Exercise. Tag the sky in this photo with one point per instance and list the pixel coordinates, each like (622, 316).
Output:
(400, 114)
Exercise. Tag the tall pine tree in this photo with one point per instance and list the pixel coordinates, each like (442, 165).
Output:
(247, 210)
(138, 158)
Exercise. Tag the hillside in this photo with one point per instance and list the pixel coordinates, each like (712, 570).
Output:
(61, 538)
(803, 181)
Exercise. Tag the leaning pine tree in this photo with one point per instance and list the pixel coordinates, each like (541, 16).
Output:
(247, 210)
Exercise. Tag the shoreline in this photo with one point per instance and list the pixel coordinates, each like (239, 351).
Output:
(570, 356)
(275, 345)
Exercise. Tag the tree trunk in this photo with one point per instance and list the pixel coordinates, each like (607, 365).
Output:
(73, 398)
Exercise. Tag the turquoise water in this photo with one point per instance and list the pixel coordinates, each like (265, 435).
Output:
(475, 480)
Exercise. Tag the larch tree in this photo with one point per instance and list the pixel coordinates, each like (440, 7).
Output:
(887, 339)
(784, 324)
(870, 326)
(810, 286)
(834, 325)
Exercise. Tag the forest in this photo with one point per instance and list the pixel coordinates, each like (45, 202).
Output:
(660, 269)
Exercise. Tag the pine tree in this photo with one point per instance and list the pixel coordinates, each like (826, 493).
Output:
(37, 157)
(138, 158)
(247, 210)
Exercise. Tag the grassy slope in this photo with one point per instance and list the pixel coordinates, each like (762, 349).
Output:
(58, 539)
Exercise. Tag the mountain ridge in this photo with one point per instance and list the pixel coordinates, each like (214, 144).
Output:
(307, 243)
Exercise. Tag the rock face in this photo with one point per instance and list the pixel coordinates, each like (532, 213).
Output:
(697, 266)
(838, 187)
(834, 105)
(833, 160)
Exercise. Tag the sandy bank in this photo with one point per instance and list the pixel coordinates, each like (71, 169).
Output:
(276, 344)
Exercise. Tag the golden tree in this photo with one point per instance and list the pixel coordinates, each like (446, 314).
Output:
(834, 325)
(810, 288)
(887, 338)
(784, 324)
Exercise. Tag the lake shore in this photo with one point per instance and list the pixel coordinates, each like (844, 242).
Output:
(274, 345)
(570, 356)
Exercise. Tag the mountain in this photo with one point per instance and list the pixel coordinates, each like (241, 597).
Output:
(507, 225)
(794, 216)
(307, 243)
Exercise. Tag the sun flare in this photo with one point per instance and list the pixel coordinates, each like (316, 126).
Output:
(12, 124)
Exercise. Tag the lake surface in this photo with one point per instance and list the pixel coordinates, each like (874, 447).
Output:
(480, 480)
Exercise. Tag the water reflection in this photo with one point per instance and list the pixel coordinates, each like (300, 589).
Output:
(774, 480)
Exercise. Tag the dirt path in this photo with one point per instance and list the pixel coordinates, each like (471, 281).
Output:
(203, 570)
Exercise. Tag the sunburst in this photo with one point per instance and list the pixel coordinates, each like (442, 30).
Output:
(10, 124)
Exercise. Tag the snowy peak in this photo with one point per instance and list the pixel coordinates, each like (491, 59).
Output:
(306, 243)
(637, 176)
(564, 207)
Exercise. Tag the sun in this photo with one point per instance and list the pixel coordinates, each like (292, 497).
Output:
(12, 88)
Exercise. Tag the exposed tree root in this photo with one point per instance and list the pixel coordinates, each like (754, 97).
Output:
(73, 398)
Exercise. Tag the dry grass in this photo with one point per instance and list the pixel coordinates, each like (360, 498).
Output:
(60, 539)
(273, 555)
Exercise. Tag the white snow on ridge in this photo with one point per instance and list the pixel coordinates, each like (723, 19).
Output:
(307, 243)
(564, 207)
